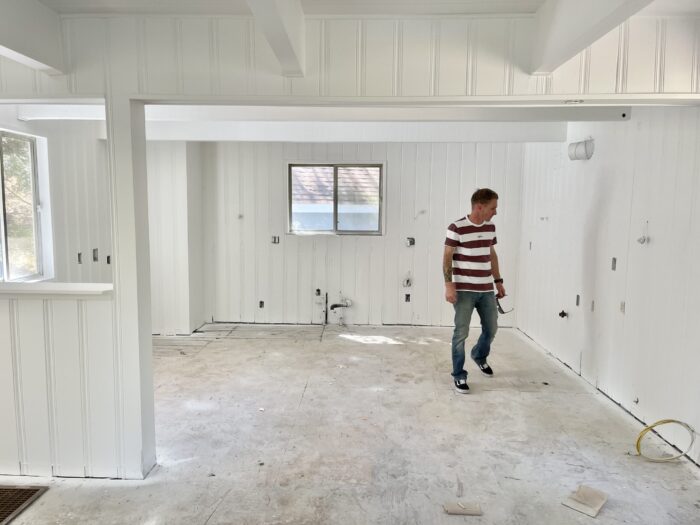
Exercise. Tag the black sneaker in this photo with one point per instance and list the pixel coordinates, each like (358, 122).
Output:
(486, 369)
(461, 385)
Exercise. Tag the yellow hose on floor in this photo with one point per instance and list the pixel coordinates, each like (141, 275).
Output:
(646, 430)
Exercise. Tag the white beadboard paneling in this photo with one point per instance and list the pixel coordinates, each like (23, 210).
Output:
(88, 39)
(201, 56)
(578, 215)
(101, 389)
(392, 212)
(247, 175)
(378, 58)
(195, 54)
(124, 55)
(341, 57)
(417, 57)
(566, 78)
(491, 57)
(604, 63)
(310, 83)
(168, 222)
(195, 237)
(9, 443)
(435, 221)
(58, 372)
(32, 362)
(680, 57)
(231, 38)
(520, 53)
(248, 196)
(16, 78)
(452, 64)
(161, 63)
(69, 395)
(420, 230)
(641, 55)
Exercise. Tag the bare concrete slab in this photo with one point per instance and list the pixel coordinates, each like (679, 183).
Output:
(362, 426)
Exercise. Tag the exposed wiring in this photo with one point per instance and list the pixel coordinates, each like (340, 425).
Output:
(648, 428)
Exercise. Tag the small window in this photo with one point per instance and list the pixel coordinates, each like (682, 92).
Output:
(335, 198)
(20, 253)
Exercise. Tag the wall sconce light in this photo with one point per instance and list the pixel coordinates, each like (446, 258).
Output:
(582, 150)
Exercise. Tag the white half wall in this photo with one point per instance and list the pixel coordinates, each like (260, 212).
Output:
(426, 186)
(59, 385)
(633, 334)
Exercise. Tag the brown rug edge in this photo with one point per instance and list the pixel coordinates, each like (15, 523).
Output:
(39, 491)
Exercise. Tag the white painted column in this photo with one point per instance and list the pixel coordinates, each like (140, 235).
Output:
(126, 137)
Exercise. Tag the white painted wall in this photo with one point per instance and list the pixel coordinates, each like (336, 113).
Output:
(427, 186)
(168, 225)
(175, 224)
(59, 389)
(577, 216)
(455, 56)
(195, 235)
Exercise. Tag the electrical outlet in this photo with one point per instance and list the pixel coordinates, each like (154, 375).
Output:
(614, 264)
(95, 255)
(407, 298)
(261, 304)
(578, 300)
(80, 257)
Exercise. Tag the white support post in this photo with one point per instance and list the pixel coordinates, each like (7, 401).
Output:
(127, 148)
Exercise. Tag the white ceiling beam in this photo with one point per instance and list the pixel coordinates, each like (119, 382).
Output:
(30, 33)
(567, 27)
(282, 23)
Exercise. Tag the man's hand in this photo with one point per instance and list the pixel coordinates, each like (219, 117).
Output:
(451, 293)
(501, 290)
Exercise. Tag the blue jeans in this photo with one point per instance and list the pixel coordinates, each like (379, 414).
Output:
(485, 304)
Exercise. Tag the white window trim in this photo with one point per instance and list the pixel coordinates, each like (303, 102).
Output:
(335, 165)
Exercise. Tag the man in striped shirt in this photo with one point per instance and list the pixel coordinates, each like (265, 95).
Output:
(470, 268)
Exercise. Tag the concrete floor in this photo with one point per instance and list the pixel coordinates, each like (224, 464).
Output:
(362, 426)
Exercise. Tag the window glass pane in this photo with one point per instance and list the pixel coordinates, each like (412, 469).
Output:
(312, 198)
(358, 198)
(20, 210)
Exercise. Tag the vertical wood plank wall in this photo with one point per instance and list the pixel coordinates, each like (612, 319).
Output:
(632, 335)
(58, 391)
(426, 56)
(427, 186)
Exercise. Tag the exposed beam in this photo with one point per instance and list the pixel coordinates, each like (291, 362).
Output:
(282, 23)
(30, 33)
(564, 28)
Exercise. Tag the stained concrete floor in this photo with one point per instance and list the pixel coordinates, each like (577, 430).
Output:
(303, 425)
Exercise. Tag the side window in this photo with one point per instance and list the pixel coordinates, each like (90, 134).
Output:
(335, 198)
(20, 236)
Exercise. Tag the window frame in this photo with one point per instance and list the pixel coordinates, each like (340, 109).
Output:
(38, 243)
(335, 166)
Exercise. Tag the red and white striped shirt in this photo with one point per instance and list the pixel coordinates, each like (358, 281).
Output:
(471, 261)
